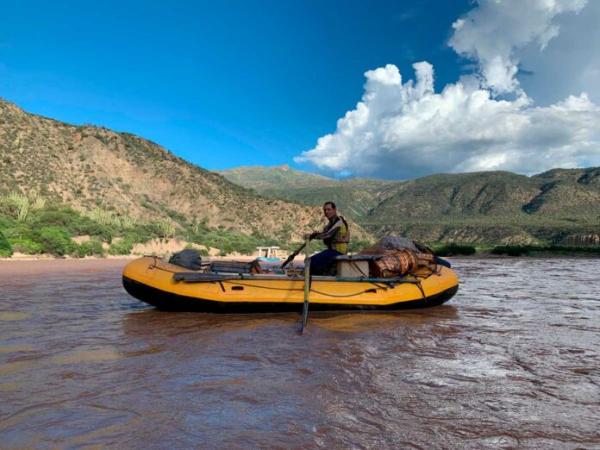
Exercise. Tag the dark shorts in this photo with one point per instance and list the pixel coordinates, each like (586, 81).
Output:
(322, 263)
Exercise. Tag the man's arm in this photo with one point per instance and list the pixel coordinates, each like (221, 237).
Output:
(327, 234)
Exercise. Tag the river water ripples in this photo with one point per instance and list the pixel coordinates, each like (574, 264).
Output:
(512, 361)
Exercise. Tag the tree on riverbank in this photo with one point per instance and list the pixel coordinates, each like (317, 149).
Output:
(5, 247)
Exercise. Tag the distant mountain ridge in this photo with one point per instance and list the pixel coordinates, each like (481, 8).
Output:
(560, 206)
(94, 168)
(356, 196)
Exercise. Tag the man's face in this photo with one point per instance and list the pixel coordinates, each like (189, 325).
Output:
(328, 211)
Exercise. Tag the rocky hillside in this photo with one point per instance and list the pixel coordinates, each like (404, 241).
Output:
(92, 168)
(561, 206)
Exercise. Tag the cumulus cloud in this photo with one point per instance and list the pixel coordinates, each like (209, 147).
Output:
(494, 32)
(403, 130)
(569, 64)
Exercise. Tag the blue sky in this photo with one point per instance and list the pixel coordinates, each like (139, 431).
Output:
(221, 84)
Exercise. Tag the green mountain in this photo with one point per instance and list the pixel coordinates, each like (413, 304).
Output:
(355, 197)
(561, 206)
(263, 179)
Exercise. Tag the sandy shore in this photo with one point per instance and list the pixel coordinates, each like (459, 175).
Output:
(54, 265)
(32, 266)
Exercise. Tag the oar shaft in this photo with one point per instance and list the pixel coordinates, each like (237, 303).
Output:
(306, 286)
(292, 256)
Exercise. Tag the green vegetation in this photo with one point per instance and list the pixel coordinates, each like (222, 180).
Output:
(229, 241)
(282, 177)
(557, 207)
(92, 247)
(50, 227)
(26, 246)
(453, 249)
(510, 250)
(355, 197)
(5, 247)
(32, 225)
(524, 250)
(55, 241)
(121, 247)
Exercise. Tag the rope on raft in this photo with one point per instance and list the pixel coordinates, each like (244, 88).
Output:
(364, 291)
(390, 284)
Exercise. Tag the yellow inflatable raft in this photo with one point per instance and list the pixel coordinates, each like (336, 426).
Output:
(172, 287)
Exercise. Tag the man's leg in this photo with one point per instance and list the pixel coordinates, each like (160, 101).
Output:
(321, 263)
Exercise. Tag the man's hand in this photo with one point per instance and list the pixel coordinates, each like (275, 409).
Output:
(310, 235)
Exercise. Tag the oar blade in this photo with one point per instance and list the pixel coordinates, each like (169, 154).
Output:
(304, 317)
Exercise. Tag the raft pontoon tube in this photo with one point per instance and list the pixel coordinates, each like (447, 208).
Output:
(172, 287)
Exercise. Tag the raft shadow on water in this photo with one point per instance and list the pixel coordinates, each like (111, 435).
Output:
(154, 322)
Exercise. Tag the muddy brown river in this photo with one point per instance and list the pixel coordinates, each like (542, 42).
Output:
(512, 361)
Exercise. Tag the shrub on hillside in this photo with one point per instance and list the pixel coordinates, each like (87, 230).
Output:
(455, 249)
(6, 222)
(510, 250)
(93, 247)
(520, 250)
(142, 233)
(27, 246)
(55, 241)
(19, 231)
(227, 241)
(72, 221)
(122, 247)
(5, 247)
(561, 249)
(54, 215)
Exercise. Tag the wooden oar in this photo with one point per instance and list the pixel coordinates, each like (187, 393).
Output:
(293, 255)
(306, 286)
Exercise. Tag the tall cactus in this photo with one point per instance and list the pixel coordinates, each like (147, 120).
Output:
(22, 204)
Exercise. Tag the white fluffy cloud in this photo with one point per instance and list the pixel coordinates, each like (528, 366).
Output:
(495, 31)
(404, 130)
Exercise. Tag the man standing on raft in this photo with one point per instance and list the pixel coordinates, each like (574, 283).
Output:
(335, 235)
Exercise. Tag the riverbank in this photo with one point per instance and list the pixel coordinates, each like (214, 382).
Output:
(49, 264)
(462, 251)
(487, 251)
(46, 257)
(10, 267)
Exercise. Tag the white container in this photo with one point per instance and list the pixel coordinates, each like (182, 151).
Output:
(355, 266)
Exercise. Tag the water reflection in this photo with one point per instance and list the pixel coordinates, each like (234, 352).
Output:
(164, 323)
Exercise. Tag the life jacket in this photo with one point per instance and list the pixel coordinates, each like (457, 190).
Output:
(339, 241)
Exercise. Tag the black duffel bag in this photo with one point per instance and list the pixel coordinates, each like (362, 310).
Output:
(188, 258)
